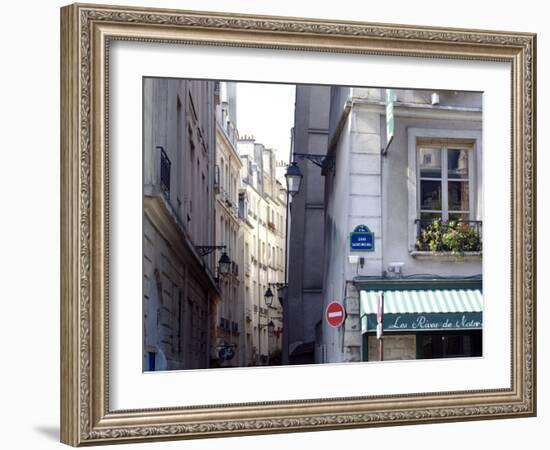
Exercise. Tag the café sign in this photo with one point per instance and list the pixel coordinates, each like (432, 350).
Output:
(428, 322)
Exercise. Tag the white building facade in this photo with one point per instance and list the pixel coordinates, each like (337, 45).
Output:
(230, 344)
(263, 211)
(403, 223)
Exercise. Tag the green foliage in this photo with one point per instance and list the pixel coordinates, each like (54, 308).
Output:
(275, 357)
(453, 236)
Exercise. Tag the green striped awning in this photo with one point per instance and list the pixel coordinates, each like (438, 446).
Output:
(423, 301)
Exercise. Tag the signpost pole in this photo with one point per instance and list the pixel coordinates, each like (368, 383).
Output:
(259, 339)
(380, 326)
(390, 119)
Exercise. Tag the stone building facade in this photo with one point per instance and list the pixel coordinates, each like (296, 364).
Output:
(208, 194)
(230, 311)
(180, 293)
(389, 197)
(263, 211)
(432, 170)
(306, 243)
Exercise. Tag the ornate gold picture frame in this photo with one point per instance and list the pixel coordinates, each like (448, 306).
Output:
(87, 31)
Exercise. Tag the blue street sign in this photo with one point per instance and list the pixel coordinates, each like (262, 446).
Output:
(362, 239)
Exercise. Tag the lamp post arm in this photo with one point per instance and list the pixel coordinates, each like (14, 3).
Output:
(207, 249)
(286, 236)
(323, 161)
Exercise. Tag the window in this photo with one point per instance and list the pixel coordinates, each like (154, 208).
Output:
(243, 206)
(151, 357)
(444, 178)
(445, 174)
(449, 345)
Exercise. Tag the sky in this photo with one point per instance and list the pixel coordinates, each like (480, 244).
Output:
(266, 111)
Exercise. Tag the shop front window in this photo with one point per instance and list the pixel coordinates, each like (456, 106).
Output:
(449, 345)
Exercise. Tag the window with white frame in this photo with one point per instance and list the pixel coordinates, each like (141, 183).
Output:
(445, 174)
(444, 178)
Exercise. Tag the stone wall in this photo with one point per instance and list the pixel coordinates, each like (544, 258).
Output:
(396, 347)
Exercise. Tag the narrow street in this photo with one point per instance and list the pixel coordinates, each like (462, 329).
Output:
(345, 225)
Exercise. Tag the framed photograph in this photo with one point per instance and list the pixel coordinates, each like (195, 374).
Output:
(278, 224)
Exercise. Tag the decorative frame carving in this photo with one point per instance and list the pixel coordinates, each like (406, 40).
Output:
(86, 31)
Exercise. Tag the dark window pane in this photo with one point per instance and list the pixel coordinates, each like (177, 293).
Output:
(427, 347)
(458, 216)
(430, 194)
(459, 196)
(430, 162)
(456, 346)
(457, 163)
(450, 345)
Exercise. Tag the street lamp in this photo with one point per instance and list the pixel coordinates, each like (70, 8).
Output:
(268, 296)
(293, 178)
(224, 264)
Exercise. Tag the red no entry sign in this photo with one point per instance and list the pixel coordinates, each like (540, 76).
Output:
(335, 314)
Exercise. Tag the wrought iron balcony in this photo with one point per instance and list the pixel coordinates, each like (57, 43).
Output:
(234, 268)
(165, 167)
(225, 324)
(454, 236)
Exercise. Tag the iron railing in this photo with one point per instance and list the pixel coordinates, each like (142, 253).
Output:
(217, 177)
(165, 167)
(234, 268)
(225, 324)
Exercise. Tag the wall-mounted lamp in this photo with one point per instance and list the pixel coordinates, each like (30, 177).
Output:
(268, 297)
(224, 263)
(293, 178)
